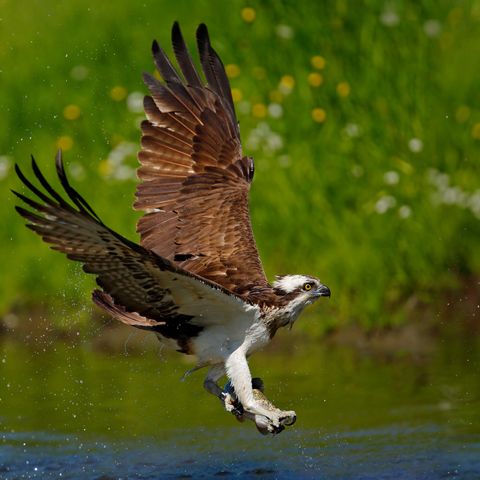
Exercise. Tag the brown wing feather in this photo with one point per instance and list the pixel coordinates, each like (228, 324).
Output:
(140, 288)
(195, 179)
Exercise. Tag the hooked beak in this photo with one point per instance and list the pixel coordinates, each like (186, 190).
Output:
(322, 291)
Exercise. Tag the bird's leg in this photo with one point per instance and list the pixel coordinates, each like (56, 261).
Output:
(256, 406)
(211, 386)
(210, 382)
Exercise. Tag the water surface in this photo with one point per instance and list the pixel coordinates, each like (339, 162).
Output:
(69, 411)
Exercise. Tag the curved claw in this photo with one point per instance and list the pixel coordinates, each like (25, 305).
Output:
(232, 404)
(266, 427)
(271, 423)
(288, 419)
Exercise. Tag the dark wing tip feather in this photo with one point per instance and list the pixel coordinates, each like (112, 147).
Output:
(28, 201)
(183, 57)
(203, 44)
(215, 71)
(76, 198)
(45, 184)
(32, 187)
(202, 34)
(168, 73)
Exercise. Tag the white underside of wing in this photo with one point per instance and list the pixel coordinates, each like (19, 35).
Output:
(229, 322)
(208, 304)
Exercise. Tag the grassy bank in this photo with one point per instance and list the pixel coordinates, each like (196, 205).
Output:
(363, 118)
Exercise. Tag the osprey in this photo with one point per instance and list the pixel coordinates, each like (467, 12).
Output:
(196, 278)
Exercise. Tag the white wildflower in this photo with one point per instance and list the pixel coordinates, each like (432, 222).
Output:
(389, 17)
(352, 130)
(432, 28)
(454, 196)
(415, 145)
(264, 138)
(284, 31)
(76, 171)
(404, 211)
(274, 142)
(135, 102)
(124, 172)
(275, 110)
(474, 203)
(391, 178)
(439, 179)
(4, 166)
(445, 194)
(385, 203)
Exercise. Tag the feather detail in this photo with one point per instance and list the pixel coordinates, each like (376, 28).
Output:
(183, 58)
(194, 177)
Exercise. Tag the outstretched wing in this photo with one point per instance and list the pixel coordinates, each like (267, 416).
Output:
(195, 179)
(140, 287)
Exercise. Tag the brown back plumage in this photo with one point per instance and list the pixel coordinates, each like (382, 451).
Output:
(195, 179)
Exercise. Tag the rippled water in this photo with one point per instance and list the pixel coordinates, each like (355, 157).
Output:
(72, 412)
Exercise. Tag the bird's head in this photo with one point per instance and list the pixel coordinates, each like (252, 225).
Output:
(301, 290)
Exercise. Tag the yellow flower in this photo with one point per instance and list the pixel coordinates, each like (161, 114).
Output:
(118, 93)
(237, 95)
(276, 96)
(319, 115)
(315, 79)
(462, 114)
(105, 168)
(343, 89)
(259, 110)
(71, 112)
(476, 131)
(318, 62)
(64, 142)
(248, 14)
(287, 82)
(232, 70)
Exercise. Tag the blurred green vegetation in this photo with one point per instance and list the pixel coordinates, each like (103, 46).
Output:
(363, 118)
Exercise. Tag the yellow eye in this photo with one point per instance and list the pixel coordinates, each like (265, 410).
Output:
(307, 286)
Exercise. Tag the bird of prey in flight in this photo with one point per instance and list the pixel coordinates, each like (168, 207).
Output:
(196, 278)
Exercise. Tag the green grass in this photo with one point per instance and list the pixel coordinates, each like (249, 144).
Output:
(380, 217)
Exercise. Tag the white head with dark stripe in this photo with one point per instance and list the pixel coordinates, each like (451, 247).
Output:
(299, 291)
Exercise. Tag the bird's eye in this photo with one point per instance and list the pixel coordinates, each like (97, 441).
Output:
(307, 286)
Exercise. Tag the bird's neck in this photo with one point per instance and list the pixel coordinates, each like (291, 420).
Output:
(284, 316)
